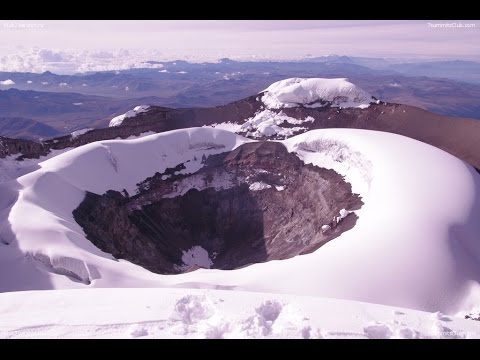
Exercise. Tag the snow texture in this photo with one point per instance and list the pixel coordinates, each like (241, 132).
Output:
(10, 168)
(267, 123)
(226, 126)
(211, 314)
(314, 92)
(404, 224)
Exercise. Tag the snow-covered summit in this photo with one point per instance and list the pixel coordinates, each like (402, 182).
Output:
(118, 120)
(315, 92)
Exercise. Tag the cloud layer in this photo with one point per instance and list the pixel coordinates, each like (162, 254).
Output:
(54, 45)
(68, 61)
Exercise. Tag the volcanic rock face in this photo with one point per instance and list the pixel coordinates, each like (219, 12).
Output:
(21, 148)
(253, 204)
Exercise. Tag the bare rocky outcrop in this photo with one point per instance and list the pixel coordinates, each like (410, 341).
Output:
(253, 204)
(21, 148)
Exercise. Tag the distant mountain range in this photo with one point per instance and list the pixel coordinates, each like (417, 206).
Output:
(461, 70)
(458, 136)
(65, 103)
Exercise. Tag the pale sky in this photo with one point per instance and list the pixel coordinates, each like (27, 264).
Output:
(209, 40)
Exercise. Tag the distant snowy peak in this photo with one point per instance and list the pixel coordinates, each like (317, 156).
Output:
(315, 92)
(118, 120)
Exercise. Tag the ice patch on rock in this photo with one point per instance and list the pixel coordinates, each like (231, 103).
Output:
(196, 256)
(77, 133)
(259, 185)
(267, 123)
(118, 120)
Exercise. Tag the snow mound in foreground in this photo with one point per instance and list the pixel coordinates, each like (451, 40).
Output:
(214, 314)
(315, 92)
(415, 243)
(118, 120)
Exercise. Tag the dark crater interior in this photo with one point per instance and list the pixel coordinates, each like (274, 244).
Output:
(253, 204)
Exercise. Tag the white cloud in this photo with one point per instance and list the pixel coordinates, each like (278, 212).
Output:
(29, 82)
(102, 55)
(102, 48)
(37, 60)
(128, 44)
(50, 56)
(7, 82)
(63, 84)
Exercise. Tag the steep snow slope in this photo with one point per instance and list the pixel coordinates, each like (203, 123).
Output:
(415, 243)
(37, 208)
(188, 313)
(10, 168)
(314, 92)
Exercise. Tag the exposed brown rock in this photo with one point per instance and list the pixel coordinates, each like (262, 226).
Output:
(21, 148)
(457, 136)
(236, 225)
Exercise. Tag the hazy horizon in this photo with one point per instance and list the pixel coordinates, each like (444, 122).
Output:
(90, 45)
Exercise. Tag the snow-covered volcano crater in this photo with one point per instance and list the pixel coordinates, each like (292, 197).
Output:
(253, 204)
(414, 243)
